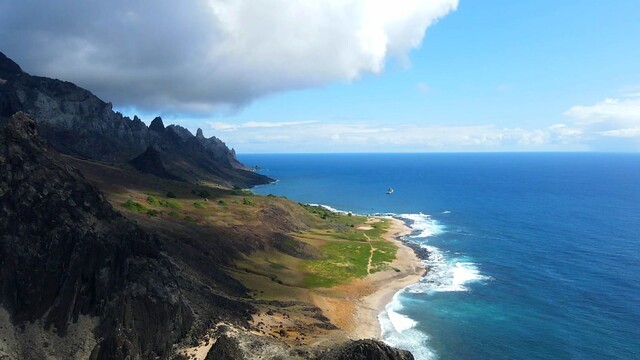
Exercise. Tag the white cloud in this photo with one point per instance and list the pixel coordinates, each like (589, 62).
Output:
(565, 131)
(364, 136)
(198, 55)
(611, 118)
(622, 133)
(612, 124)
(610, 110)
(222, 126)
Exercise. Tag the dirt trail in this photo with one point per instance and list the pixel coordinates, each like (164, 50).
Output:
(370, 254)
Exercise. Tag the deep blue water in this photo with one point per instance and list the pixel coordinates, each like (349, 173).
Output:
(533, 256)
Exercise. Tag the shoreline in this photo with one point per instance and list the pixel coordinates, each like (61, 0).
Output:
(387, 283)
(355, 307)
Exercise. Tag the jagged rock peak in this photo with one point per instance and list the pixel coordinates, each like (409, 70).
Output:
(8, 68)
(182, 132)
(157, 125)
(199, 134)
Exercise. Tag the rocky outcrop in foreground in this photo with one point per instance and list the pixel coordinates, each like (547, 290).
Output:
(77, 123)
(235, 344)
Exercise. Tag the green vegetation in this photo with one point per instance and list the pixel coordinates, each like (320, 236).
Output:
(169, 204)
(134, 206)
(384, 254)
(152, 212)
(337, 248)
(198, 205)
(276, 266)
(319, 211)
(343, 261)
(349, 252)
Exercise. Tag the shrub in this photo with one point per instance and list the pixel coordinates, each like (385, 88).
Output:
(190, 218)
(222, 202)
(171, 195)
(169, 204)
(134, 206)
(175, 214)
(198, 205)
(246, 201)
(152, 212)
(151, 200)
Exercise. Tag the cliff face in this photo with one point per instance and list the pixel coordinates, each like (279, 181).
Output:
(78, 123)
(175, 153)
(67, 256)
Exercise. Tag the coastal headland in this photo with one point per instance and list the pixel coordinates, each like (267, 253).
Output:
(143, 243)
(323, 277)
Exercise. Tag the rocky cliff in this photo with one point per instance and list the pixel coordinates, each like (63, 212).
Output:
(78, 123)
(77, 280)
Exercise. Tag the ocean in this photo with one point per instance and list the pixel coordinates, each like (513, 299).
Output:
(531, 255)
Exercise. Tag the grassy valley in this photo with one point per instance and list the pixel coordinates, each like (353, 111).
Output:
(289, 257)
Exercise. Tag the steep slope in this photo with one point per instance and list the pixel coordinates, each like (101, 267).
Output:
(177, 154)
(67, 258)
(78, 123)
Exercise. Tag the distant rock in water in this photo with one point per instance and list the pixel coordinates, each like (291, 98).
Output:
(78, 123)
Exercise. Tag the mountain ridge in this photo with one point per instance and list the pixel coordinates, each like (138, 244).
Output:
(78, 123)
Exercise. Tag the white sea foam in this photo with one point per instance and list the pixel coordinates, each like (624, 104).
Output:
(399, 330)
(446, 274)
(423, 225)
(332, 209)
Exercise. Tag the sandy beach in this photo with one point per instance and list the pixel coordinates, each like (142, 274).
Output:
(355, 307)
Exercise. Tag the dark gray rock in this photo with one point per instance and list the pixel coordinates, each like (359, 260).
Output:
(76, 122)
(8, 68)
(365, 350)
(235, 343)
(225, 348)
(64, 252)
(157, 125)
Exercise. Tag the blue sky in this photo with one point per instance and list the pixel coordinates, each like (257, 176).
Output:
(508, 64)
(357, 75)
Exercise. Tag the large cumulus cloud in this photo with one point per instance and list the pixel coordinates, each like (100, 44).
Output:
(200, 54)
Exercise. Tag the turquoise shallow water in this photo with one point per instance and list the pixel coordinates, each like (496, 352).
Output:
(532, 256)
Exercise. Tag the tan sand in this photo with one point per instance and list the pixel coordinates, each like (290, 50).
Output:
(355, 307)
